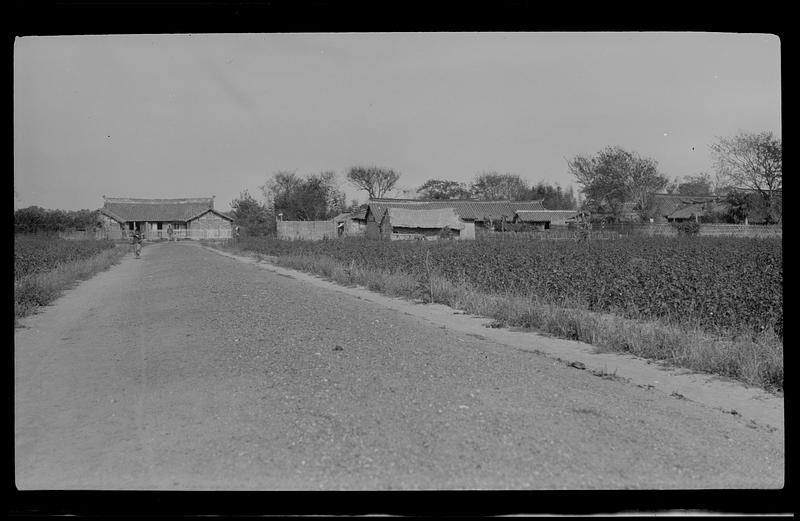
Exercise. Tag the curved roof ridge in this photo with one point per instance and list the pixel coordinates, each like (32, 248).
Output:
(203, 212)
(147, 200)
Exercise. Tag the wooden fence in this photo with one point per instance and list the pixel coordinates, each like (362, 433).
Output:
(307, 230)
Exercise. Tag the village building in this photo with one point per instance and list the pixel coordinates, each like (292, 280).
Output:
(544, 219)
(484, 215)
(187, 218)
(404, 224)
(680, 208)
(351, 223)
(693, 211)
(667, 208)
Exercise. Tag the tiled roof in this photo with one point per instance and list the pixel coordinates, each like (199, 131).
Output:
(466, 209)
(360, 213)
(111, 214)
(546, 215)
(439, 218)
(129, 209)
(215, 212)
(669, 203)
(698, 209)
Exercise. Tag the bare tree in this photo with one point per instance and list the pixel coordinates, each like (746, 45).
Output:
(374, 180)
(752, 161)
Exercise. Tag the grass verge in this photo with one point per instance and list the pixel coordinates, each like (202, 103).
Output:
(40, 289)
(754, 360)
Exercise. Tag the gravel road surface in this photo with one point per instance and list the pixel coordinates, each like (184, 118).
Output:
(189, 370)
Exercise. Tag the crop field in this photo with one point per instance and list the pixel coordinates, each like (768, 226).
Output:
(46, 265)
(43, 253)
(720, 285)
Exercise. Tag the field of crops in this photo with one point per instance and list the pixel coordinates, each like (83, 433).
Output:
(43, 253)
(721, 285)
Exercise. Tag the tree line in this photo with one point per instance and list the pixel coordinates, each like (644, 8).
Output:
(748, 176)
(289, 196)
(613, 182)
(747, 168)
(34, 219)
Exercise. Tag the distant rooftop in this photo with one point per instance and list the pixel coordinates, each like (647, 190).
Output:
(468, 209)
(125, 209)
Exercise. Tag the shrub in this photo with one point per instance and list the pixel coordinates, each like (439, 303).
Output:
(688, 228)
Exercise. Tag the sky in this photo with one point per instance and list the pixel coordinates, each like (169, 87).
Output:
(169, 116)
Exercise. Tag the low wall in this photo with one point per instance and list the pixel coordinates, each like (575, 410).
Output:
(646, 230)
(741, 230)
(468, 232)
(552, 235)
(708, 230)
(306, 230)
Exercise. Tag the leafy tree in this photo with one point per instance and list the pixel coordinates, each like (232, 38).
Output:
(27, 220)
(335, 198)
(554, 197)
(615, 176)
(374, 180)
(743, 205)
(753, 161)
(491, 186)
(313, 198)
(672, 186)
(252, 216)
(699, 185)
(443, 189)
(36, 219)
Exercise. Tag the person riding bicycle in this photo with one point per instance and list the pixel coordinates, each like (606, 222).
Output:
(136, 240)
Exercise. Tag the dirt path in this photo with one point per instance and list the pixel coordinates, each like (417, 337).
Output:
(190, 370)
(760, 409)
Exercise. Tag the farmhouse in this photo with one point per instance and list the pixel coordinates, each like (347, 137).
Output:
(668, 208)
(694, 210)
(349, 224)
(482, 214)
(543, 219)
(405, 224)
(189, 218)
(677, 208)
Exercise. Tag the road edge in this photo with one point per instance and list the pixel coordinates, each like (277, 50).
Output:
(754, 407)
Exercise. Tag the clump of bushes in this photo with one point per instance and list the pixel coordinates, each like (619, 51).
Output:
(688, 228)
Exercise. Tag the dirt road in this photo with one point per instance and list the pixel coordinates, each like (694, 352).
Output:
(189, 370)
